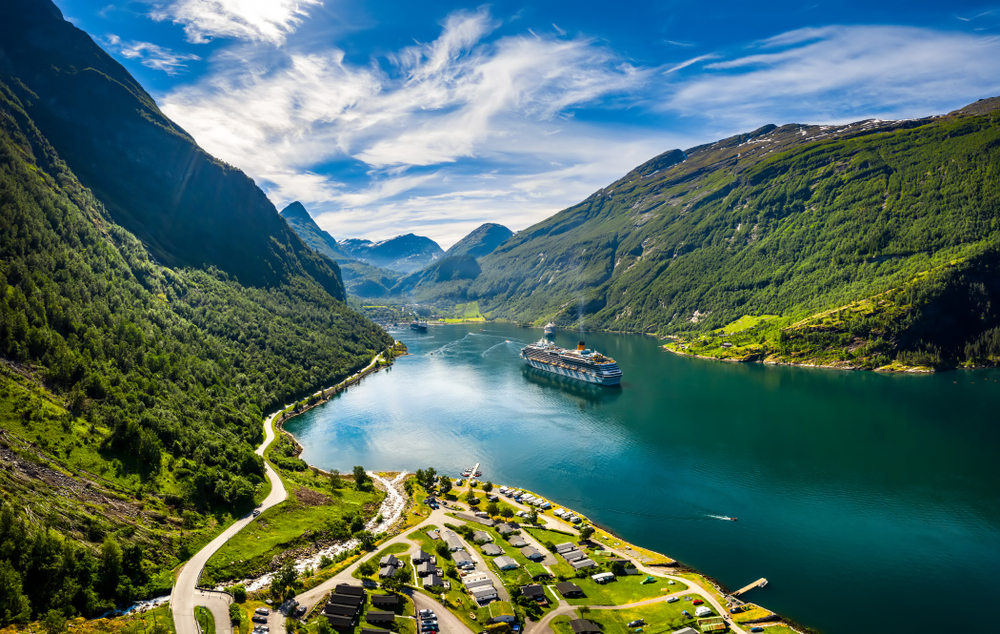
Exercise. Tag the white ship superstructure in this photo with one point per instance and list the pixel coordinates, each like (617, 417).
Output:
(582, 364)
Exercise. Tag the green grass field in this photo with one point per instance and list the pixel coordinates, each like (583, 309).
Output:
(659, 617)
(305, 515)
(206, 622)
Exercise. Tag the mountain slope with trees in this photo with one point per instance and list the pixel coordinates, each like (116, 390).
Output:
(789, 221)
(132, 388)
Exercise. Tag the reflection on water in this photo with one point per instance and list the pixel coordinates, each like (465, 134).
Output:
(565, 386)
(842, 481)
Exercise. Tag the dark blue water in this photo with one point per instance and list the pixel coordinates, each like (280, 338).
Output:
(871, 503)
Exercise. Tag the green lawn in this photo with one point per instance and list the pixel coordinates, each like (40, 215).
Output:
(560, 624)
(205, 620)
(544, 535)
(305, 515)
(622, 591)
(659, 617)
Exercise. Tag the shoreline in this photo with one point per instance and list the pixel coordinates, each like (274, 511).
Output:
(672, 564)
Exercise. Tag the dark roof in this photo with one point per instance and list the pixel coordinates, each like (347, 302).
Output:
(379, 616)
(384, 599)
(420, 556)
(345, 588)
(340, 610)
(374, 630)
(425, 568)
(433, 580)
(340, 622)
(565, 546)
(565, 587)
(503, 528)
(347, 599)
(534, 590)
(389, 560)
(583, 626)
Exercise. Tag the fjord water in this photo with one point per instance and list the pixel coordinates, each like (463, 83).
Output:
(871, 503)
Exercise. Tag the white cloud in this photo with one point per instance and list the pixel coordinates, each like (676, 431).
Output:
(456, 98)
(257, 20)
(151, 55)
(472, 127)
(845, 72)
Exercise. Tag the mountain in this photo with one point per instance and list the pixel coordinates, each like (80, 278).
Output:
(482, 241)
(444, 280)
(188, 208)
(405, 254)
(360, 279)
(786, 221)
(306, 228)
(135, 364)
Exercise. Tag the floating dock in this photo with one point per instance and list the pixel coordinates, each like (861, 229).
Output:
(760, 583)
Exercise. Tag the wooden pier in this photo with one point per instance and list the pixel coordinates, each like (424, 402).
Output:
(760, 583)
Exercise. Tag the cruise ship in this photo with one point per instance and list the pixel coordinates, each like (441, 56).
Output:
(582, 364)
(550, 328)
(418, 325)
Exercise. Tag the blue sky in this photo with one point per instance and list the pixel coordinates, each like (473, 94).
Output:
(434, 117)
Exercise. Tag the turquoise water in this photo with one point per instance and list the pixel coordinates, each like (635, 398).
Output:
(871, 503)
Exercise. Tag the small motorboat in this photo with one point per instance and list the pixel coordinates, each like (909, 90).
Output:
(732, 519)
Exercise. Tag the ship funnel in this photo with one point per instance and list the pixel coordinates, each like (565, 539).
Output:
(580, 346)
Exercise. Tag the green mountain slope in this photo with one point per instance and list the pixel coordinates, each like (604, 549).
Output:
(189, 208)
(483, 240)
(132, 389)
(788, 221)
(306, 228)
(360, 279)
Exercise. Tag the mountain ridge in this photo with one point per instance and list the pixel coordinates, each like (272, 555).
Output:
(405, 253)
(189, 208)
(481, 241)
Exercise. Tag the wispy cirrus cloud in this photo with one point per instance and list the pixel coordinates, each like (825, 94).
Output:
(255, 20)
(461, 96)
(150, 55)
(845, 72)
(439, 136)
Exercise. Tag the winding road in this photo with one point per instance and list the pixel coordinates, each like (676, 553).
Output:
(186, 594)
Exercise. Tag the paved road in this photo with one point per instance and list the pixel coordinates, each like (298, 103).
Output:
(448, 622)
(185, 594)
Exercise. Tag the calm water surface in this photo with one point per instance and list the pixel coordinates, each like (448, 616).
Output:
(871, 503)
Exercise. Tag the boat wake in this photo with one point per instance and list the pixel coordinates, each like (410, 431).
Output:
(505, 342)
(722, 517)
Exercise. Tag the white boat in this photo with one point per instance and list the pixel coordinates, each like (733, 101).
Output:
(582, 364)
(550, 328)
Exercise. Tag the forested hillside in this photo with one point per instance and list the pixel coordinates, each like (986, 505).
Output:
(132, 389)
(187, 207)
(785, 221)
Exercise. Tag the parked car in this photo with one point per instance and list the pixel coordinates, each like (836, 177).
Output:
(300, 611)
(636, 623)
(257, 618)
(256, 512)
(697, 602)
(262, 611)
(756, 629)
(423, 612)
(673, 600)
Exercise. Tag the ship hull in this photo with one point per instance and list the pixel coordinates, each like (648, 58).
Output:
(573, 374)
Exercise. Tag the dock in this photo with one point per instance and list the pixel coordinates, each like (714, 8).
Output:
(760, 583)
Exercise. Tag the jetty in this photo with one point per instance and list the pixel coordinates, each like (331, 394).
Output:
(760, 583)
